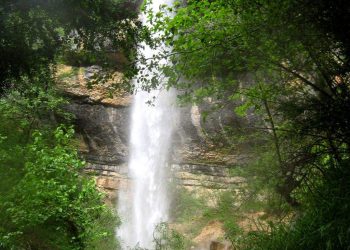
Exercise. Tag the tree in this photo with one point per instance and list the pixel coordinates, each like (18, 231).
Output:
(46, 200)
(34, 34)
(288, 62)
(218, 44)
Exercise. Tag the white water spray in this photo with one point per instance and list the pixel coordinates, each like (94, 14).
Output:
(145, 204)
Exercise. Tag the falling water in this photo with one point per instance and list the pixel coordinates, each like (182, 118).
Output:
(145, 204)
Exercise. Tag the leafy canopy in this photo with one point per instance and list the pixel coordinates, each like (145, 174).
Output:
(286, 62)
(35, 34)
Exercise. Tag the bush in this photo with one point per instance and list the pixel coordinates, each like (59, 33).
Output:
(46, 200)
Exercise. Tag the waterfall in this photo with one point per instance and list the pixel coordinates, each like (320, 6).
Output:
(144, 204)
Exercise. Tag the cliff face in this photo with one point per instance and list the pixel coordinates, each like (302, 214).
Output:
(200, 162)
(102, 124)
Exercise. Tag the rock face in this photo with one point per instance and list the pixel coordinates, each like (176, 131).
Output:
(198, 162)
(101, 122)
(204, 181)
(104, 131)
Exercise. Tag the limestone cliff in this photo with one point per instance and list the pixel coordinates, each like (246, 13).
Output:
(198, 163)
(102, 123)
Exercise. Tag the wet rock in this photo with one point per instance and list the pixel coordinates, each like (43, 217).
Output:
(104, 132)
(102, 124)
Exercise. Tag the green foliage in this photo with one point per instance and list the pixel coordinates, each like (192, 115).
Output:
(226, 212)
(46, 201)
(52, 204)
(104, 229)
(286, 62)
(34, 34)
(186, 207)
(323, 225)
(168, 239)
(196, 213)
(188, 210)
